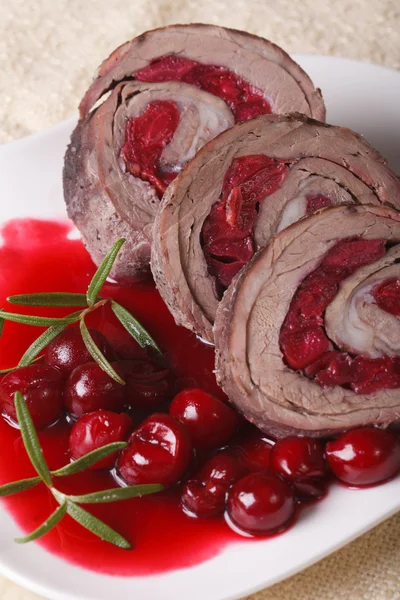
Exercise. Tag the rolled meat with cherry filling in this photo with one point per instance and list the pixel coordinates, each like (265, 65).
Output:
(242, 188)
(307, 336)
(163, 96)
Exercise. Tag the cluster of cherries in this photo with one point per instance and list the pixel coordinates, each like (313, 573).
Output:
(222, 464)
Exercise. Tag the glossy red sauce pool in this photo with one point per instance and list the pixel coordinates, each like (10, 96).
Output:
(37, 256)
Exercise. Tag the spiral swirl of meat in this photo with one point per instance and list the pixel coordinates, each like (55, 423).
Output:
(307, 336)
(354, 321)
(171, 91)
(104, 198)
(241, 189)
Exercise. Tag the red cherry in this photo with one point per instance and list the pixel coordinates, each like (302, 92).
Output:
(89, 388)
(147, 383)
(313, 488)
(261, 503)
(98, 429)
(301, 460)
(159, 451)
(67, 351)
(364, 456)
(42, 389)
(205, 494)
(254, 451)
(210, 422)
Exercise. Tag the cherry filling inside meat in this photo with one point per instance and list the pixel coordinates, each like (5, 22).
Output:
(227, 233)
(145, 139)
(387, 296)
(316, 202)
(304, 342)
(146, 136)
(245, 101)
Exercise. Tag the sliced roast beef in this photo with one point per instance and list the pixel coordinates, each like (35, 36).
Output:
(308, 334)
(163, 96)
(243, 187)
(216, 59)
(105, 197)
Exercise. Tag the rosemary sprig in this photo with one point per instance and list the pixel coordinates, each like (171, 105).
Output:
(77, 466)
(89, 302)
(4, 371)
(97, 354)
(114, 495)
(69, 504)
(83, 463)
(9, 489)
(102, 273)
(40, 343)
(133, 327)
(1, 323)
(31, 440)
(96, 526)
(37, 321)
(45, 527)
(49, 299)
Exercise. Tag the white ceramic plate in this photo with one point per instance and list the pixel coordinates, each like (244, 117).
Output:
(361, 96)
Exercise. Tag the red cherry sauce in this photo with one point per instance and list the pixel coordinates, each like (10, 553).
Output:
(303, 339)
(37, 256)
(147, 135)
(227, 233)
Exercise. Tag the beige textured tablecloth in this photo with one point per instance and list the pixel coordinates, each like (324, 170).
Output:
(49, 50)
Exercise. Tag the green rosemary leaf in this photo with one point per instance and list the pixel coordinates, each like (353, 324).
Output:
(1, 323)
(49, 299)
(83, 463)
(40, 343)
(4, 371)
(51, 522)
(96, 526)
(30, 439)
(102, 273)
(117, 494)
(133, 327)
(38, 321)
(97, 354)
(18, 486)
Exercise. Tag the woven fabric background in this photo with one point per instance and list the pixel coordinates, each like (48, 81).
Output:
(49, 50)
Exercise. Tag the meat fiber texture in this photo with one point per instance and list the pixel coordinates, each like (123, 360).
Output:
(250, 365)
(107, 202)
(321, 158)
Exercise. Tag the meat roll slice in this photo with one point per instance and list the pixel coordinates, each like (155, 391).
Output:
(308, 334)
(243, 187)
(163, 96)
